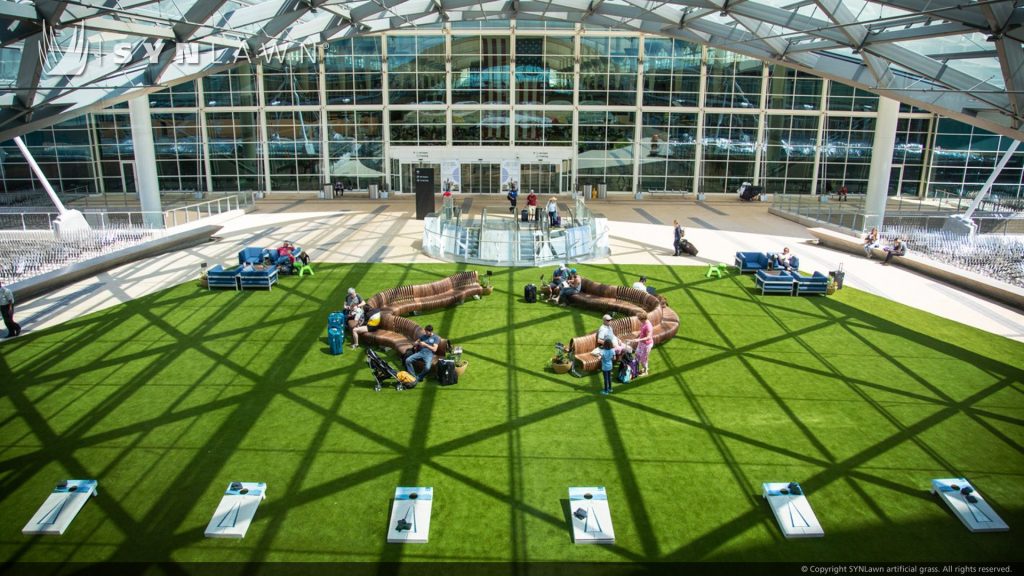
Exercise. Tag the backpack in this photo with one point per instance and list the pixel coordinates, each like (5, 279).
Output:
(406, 380)
(446, 374)
(530, 293)
(625, 373)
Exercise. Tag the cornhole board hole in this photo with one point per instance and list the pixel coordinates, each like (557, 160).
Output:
(410, 515)
(792, 510)
(968, 505)
(236, 510)
(591, 518)
(61, 507)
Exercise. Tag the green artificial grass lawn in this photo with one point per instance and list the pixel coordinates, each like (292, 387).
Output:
(168, 398)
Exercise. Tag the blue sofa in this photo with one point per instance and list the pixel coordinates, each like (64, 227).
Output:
(255, 255)
(776, 282)
(754, 261)
(814, 284)
(751, 261)
(218, 277)
(265, 278)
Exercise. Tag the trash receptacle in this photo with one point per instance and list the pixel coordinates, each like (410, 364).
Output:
(602, 191)
(336, 340)
(374, 191)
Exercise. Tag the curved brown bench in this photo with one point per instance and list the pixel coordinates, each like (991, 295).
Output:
(401, 333)
(624, 300)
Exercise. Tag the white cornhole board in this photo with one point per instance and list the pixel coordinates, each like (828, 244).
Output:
(978, 516)
(591, 518)
(792, 512)
(236, 510)
(412, 507)
(61, 507)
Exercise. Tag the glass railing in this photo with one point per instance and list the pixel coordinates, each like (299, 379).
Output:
(928, 213)
(501, 238)
(102, 219)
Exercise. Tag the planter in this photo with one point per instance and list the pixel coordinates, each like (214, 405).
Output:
(460, 370)
(561, 368)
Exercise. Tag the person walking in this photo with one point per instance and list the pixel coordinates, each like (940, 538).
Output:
(531, 205)
(513, 195)
(7, 311)
(552, 210)
(677, 242)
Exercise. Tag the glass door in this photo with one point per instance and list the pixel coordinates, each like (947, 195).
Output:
(481, 178)
(542, 178)
(128, 177)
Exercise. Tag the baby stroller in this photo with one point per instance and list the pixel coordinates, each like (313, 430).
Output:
(382, 372)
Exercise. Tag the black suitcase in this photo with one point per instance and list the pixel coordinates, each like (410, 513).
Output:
(687, 247)
(530, 293)
(446, 374)
(525, 216)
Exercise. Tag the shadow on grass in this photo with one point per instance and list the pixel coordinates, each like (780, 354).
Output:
(185, 337)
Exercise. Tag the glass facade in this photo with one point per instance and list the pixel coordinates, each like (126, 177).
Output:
(632, 111)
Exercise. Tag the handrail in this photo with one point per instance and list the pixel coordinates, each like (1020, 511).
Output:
(98, 218)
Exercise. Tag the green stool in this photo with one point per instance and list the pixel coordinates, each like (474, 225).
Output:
(303, 267)
(716, 269)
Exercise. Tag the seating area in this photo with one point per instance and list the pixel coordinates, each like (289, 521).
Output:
(220, 277)
(400, 333)
(790, 283)
(622, 300)
(754, 261)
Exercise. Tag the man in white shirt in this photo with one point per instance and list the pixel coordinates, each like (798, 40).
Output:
(641, 284)
(605, 333)
(7, 311)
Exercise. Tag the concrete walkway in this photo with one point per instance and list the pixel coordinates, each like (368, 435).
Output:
(357, 230)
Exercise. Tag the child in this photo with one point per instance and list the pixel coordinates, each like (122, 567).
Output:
(607, 361)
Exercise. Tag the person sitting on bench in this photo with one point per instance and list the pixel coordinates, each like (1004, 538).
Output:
(424, 349)
(559, 279)
(897, 249)
(573, 287)
(783, 260)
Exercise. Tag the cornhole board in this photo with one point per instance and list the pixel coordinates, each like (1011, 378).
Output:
(792, 511)
(978, 516)
(61, 507)
(236, 510)
(410, 515)
(591, 518)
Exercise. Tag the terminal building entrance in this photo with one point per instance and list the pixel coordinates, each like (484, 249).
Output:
(485, 178)
(547, 172)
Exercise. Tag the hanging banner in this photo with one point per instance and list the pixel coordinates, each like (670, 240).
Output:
(451, 176)
(509, 174)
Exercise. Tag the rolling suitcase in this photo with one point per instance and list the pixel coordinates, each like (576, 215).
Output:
(525, 216)
(336, 340)
(687, 247)
(530, 293)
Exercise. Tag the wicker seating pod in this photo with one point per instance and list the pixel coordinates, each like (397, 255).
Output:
(623, 300)
(400, 333)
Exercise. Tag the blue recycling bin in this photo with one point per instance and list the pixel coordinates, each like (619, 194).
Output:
(336, 340)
